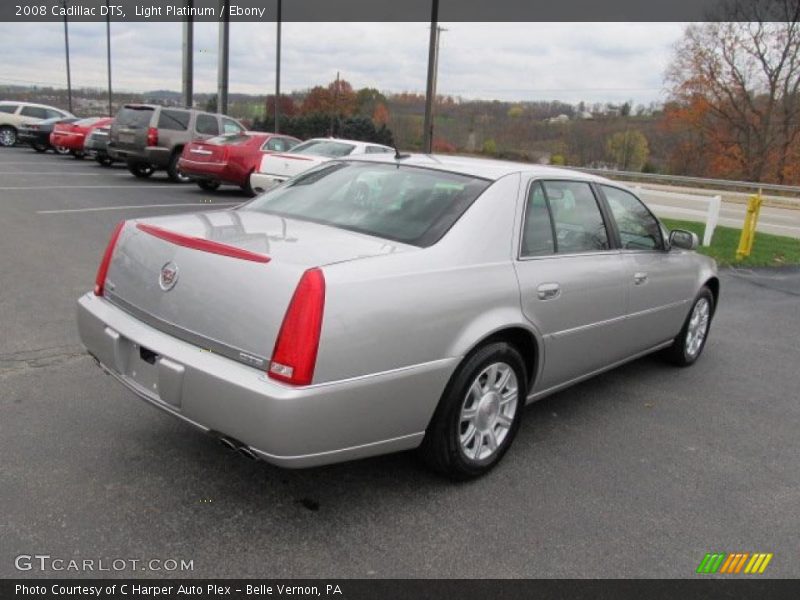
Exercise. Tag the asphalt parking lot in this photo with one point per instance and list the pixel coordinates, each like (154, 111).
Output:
(637, 473)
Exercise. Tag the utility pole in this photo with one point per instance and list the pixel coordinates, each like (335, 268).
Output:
(108, 58)
(430, 91)
(188, 57)
(335, 114)
(222, 64)
(278, 71)
(66, 46)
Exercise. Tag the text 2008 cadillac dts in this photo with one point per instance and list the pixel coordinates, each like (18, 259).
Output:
(384, 303)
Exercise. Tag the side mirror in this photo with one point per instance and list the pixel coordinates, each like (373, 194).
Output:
(680, 238)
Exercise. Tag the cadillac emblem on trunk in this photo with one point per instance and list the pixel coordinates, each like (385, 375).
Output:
(168, 277)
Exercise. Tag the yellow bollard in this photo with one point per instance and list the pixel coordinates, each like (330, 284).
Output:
(749, 228)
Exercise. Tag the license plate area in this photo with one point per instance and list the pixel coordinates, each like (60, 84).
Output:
(126, 138)
(143, 368)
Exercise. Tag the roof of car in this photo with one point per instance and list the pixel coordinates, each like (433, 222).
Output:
(344, 141)
(484, 168)
(36, 104)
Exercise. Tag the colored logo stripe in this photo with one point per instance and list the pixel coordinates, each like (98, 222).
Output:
(734, 562)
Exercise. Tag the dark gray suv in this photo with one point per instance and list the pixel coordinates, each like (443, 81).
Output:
(149, 137)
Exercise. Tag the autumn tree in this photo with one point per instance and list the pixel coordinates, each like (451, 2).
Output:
(628, 150)
(734, 90)
(337, 98)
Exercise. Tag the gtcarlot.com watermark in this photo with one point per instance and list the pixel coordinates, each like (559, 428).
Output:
(47, 563)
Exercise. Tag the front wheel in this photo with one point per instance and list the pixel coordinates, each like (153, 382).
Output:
(141, 170)
(207, 185)
(174, 173)
(479, 413)
(689, 344)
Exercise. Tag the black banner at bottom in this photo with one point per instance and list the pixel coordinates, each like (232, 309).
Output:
(390, 589)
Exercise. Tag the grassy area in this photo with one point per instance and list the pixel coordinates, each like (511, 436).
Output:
(768, 250)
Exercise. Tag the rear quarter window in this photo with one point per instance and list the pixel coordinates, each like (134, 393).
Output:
(8, 108)
(175, 120)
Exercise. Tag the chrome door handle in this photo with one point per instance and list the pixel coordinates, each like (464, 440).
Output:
(548, 291)
(639, 278)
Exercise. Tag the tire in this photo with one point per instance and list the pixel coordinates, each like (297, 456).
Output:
(247, 187)
(61, 150)
(8, 136)
(141, 170)
(174, 172)
(40, 148)
(104, 161)
(78, 155)
(686, 348)
(478, 415)
(207, 185)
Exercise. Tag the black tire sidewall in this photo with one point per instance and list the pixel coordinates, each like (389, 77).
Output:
(174, 172)
(679, 349)
(444, 431)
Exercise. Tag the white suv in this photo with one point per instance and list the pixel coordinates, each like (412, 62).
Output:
(13, 114)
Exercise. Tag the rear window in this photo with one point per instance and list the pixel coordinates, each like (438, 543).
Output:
(406, 204)
(231, 139)
(133, 118)
(176, 120)
(8, 108)
(327, 148)
(207, 125)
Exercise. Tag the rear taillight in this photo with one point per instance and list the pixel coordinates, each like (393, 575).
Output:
(152, 136)
(102, 270)
(295, 353)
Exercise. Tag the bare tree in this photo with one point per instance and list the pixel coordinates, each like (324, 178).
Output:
(743, 75)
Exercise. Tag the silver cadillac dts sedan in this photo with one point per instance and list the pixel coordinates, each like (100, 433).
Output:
(385, 303)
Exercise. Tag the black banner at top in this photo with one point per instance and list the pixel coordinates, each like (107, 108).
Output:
(388, 10)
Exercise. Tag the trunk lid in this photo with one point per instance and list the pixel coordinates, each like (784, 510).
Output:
(286, 165)
(228, 305)
(129, 131)
(205, 152)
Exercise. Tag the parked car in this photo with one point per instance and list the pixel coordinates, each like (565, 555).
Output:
(149, 137)
(37, 135)
(73, 135)
(277, 168)
(13, 114)
(230, 158)
(96, 145)
(388, 302)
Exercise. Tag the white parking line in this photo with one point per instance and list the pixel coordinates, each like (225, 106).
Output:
(86, 187)
(50, 173)
(133, 206)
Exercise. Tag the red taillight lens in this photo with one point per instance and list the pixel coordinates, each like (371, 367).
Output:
(152, 136)
(102, 270)
(295, 353)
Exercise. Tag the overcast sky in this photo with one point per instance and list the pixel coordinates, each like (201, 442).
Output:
(595, 62)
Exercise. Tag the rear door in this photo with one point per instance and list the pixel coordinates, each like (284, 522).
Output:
(571, 280)
(660, 283)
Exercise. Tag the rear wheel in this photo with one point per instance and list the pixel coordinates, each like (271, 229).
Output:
(78, 155)
(479, 413)
(61, 150)
(689, 344)
(247, 187)
(207, 185)
(141, 170)
(39, 148)
(8, 136)
(174, 172)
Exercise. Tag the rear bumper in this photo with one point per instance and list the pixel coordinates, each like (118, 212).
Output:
(262, 181)
(207, 171)
(287, 426)
(62, 140)
(155, 156)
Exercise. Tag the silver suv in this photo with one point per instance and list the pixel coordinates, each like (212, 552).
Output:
(150, 137)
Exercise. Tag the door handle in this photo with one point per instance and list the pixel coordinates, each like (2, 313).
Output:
(548, 291)
(639, 278)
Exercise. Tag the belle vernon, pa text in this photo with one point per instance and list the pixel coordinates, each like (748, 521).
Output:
(148, 12)
(179, 590)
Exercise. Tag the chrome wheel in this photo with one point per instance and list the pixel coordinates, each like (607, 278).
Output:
(488, 411)
(698, 327)
(8, 137)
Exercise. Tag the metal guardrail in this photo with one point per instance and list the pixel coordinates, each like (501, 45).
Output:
(703, 181)
(709, 213)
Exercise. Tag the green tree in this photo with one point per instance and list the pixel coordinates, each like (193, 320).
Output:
(628, 149)
(489, 147)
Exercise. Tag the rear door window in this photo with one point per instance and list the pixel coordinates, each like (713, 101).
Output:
(8, 108)
(176, 120)
(577, 220)
(207, 125)
(34, 112)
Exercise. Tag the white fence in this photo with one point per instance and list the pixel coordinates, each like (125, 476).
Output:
(701, 208)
